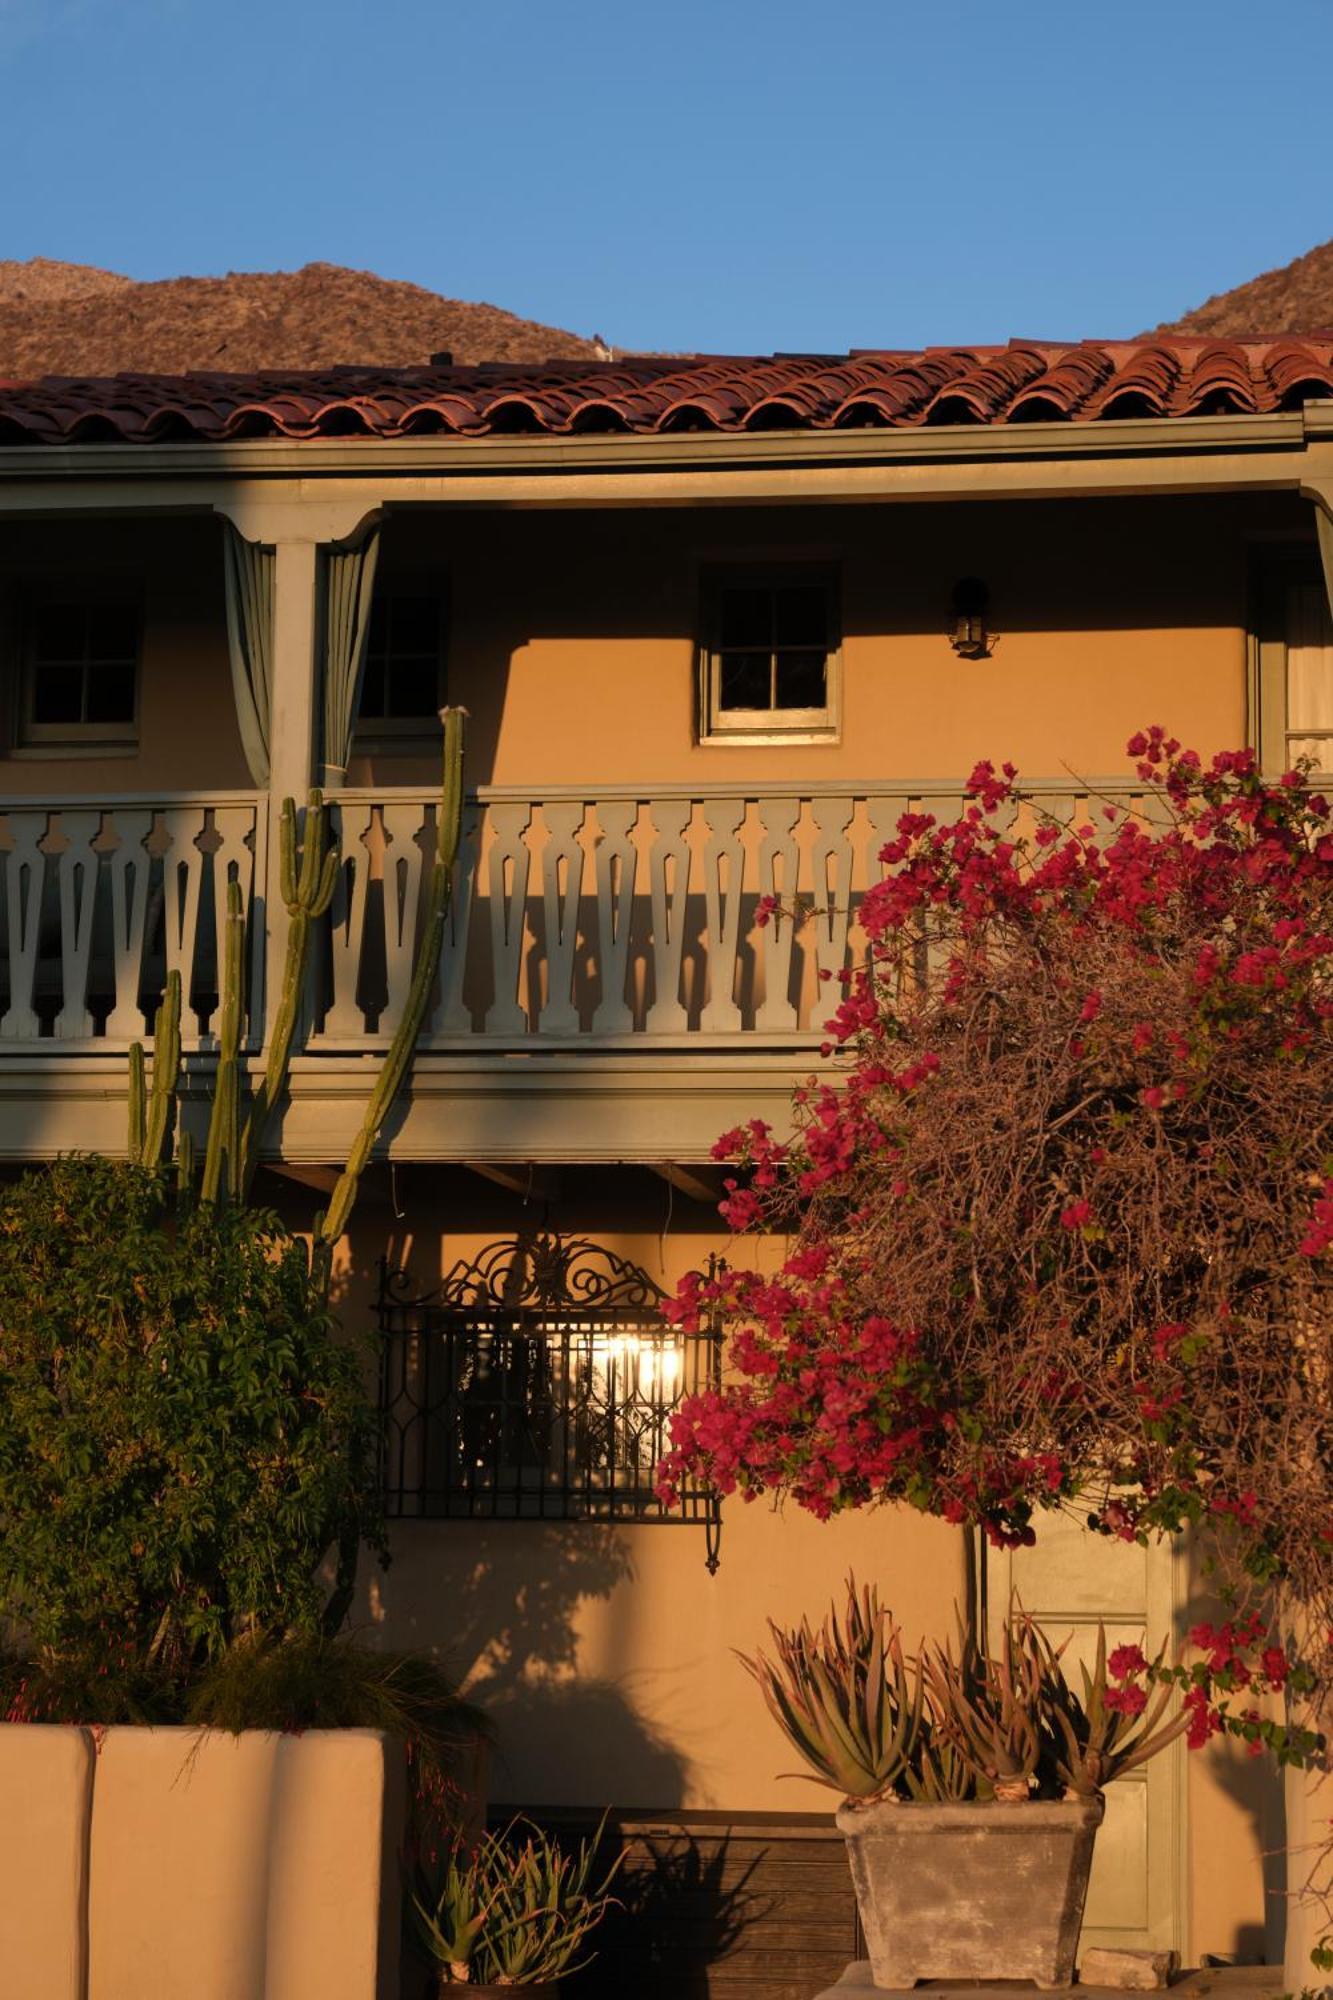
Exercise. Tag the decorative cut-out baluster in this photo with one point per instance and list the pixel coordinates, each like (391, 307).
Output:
(128, 867)
(343, 1018)
(452, 1015)
(77, 868)
(779, 866)
(833, 877)
(182, 881)
(616, 860)
(25, 878)
(508, 916)
(402, 896)
(233, 859)
(562, 855)
(723, 860)
(671, 818)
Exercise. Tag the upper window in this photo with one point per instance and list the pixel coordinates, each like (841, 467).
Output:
(80, 679)
(1291, 681)
(770, 655)
(403, 686)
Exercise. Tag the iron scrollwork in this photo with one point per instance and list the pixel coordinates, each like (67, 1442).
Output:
(536, 1382)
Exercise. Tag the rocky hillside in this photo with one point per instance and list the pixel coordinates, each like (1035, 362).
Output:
(73, 319)
(1297, 298)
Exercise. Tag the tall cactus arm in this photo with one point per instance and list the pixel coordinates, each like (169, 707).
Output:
(151, 1107)
(307, 891)
(222, 1166)
(330, 1225)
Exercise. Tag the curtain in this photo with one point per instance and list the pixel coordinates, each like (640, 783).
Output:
(248, 568)
(349, 583)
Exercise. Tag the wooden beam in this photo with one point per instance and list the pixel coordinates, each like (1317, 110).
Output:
(323, 1179)
(698, 1183)
(521, 1177)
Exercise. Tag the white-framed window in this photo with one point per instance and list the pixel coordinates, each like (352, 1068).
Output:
(1291, 680)
(403, 688)
(770, 654)
(79, 668)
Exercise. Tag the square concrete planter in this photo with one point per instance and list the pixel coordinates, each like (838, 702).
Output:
(980, 1891)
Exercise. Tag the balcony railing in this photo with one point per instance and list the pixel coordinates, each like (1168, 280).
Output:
(99, 899)
(589, 917)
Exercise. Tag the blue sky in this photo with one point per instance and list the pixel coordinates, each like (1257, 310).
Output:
(735, 176)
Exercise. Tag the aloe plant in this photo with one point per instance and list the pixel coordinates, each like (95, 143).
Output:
(989, 1708)
(514, 1914)
(1095, 1743)
(846, 1697)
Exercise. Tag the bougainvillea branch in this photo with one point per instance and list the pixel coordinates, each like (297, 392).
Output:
(1059, 1214)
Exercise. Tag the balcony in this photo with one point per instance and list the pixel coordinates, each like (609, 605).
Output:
(598, 944)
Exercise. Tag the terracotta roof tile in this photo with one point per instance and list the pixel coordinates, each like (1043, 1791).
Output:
(1027, 381)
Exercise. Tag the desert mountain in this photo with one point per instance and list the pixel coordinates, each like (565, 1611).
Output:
(73, 319)
(1296, 298)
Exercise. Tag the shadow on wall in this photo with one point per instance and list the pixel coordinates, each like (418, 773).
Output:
(509, 1629)
(1254, 1786)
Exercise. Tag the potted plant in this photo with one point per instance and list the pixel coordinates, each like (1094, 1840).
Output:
(971, 1785)
(516, 1911)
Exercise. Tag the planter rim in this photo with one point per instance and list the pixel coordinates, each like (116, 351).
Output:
(944, 1815)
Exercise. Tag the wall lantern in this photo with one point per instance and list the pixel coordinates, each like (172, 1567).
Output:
(967, 628)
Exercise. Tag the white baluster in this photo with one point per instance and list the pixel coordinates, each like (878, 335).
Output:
(76, 873)
(560, 913)
(129, 867)
(25, 877)
(616, 861)
(779, 871)
(722, 912)
(671, 818)
(833, 871)
(507, 910)
(343, 1019)
(402, 898)
(182, 879)
(234, 855)
(452, 1015)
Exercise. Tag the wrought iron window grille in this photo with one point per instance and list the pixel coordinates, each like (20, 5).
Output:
(537, 1384)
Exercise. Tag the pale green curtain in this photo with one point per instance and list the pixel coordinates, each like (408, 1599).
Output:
(248, 568)
(348, 587)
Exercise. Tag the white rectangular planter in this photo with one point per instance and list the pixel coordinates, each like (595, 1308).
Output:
(196, 1865)
(980, 1891)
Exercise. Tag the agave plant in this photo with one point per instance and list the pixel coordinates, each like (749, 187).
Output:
(1094, 1742)
(517, 1912)
(846, 1697)
(989, 1707)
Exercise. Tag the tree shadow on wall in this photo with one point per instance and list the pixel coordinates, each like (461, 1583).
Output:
(499, 1605)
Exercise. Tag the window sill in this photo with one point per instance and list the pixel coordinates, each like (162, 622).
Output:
(766, 739)
(60, 753)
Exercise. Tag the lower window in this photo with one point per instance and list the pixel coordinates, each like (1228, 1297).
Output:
(536, 1384)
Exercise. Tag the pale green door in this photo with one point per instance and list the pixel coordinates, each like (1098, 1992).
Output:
(1070, 1580)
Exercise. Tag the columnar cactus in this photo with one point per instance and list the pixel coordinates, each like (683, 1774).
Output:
(150, 1109)
(307, 884)
(222, 1154)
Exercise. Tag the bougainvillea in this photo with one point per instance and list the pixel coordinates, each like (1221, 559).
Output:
(1059, 1216)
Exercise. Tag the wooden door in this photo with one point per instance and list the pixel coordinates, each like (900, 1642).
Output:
(1069, 1581)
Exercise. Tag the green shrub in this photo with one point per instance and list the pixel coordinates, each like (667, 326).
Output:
(184, 1440)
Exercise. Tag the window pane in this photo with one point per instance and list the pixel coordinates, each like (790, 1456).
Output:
(802, 680)
(414, 625)
(413, 688)
(113, 632)
(373, 687)
(747, 617)
(744, 680)
(58, 631)
(1309, 658)
(57, 694)
(800, 616)
(111, 692)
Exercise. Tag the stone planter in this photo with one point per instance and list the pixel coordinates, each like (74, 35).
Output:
(971, 1891)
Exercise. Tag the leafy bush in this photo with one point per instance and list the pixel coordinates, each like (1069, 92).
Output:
(183, 1438)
